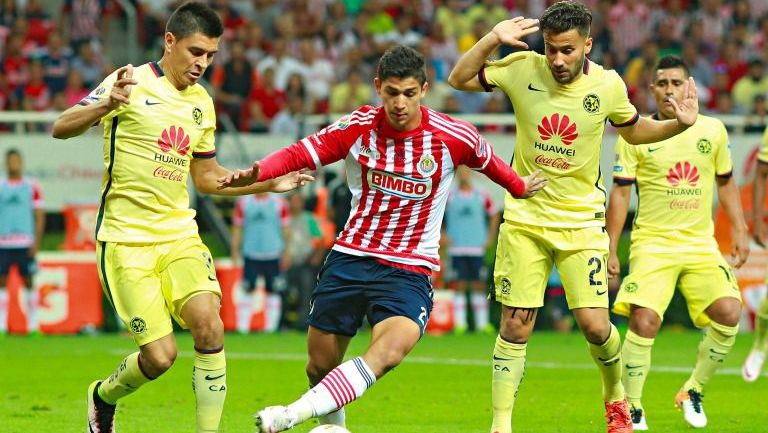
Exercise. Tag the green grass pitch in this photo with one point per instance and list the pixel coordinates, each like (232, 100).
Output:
(443, 386)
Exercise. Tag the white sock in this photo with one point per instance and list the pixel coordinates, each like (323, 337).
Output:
(274, 308)
(342, 385)
(3, 310)
(480, 308)
(244, 311)
(460, 309)
(31, 301)
(338, 418)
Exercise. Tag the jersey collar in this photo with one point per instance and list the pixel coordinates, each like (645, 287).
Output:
(156, 69)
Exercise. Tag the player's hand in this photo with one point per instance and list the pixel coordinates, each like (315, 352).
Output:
(32, 251)
(511, 32)
(687, 109)
(739, 248)
(534, 182)
(291, 181)
(239, 177)
(121, 90)
(614, 266)
(760, 234)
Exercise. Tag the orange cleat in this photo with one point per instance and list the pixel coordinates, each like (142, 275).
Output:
(617, 416)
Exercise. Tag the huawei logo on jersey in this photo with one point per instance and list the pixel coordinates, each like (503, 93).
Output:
(174, 138)
(557, 126)
(683, 174)
(400, 186)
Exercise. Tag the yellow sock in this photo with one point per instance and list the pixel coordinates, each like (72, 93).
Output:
(761, 327)
(636, 357)
(508, 371)
(209, 381)
(608, 360)
(714, 347)
(127, 378)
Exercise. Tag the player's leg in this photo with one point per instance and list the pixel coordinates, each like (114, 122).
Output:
(3, 296)
(270, 269)
(460, 294)
(326, 351)
(193, 296)
(753, 365)
(523, 264)
(245, 297)
(478, 297)
(28, 294)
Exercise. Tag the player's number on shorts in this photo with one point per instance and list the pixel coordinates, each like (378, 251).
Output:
(729, 276)
(598, 264)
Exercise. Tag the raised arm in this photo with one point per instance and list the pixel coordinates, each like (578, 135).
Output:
(510, 32)
(206, 173)
(728, 194)
(759, 232)
(77, 119)
(615, 219)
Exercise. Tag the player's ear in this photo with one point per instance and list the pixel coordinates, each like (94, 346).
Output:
(377, 85)
(588, 45)
(424, 88)
(170, 39)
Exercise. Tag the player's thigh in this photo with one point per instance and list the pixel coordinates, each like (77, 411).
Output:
(393, 292)
(581, 259)
(250, 273)
(133, 287)
(326, 351)
(186, 269)
(706, 278)
(650, 284)
(469, 268)
(523, 263)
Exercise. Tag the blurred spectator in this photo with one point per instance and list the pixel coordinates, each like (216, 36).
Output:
(84, 22)
(34, 95)
(489, 10)
(450, 15)
(753, 84)
(638, 66)
(339, 201)
(306, 21)
(452, 104)
(264, 102)
(720, 85)
(232, 82)
(291, 120)
(332, 44)
(56, 61)
(756, 119)
(8, 13)
(402, 34)
(713, 18)
(631, 22)
(90, 65)
(760, 39)
(479, 29)
(350, 94)
(339, 18)
(75, 91)
(282, 64)
(230, 17)
(39, 22)
(444, 51)
(354, 60)
(725, 103)
(700, 68)
(5, 93)
(255, 44)
(264, 14)
(318, 76)
(14, 64)
(437, 92)
(377, 20)
(666, 39)
(496, 105)
(730, 61)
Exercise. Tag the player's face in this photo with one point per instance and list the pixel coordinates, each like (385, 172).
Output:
(189, 57)
(402, 101)
(566, 53)
(668, 84)
(13, 165)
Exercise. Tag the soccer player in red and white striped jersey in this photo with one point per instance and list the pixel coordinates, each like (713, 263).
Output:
(400, 160)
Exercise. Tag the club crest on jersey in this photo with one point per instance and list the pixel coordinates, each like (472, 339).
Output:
(427, 165)
(100, 91)
(591, 103)
(400, 186)
(343, 123)
(370, 152)
(197, 116)
(704, 146)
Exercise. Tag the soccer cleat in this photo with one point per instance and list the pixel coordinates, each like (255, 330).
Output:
(101, 415)
(638, 419)
(617, 416)
(275, 419)
(753, 365)
(689, 401)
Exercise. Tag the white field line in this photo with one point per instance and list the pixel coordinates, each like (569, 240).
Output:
(274, 356)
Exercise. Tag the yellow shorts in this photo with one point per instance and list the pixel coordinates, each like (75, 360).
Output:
(524, 259)
(702, 278)
(147, 284)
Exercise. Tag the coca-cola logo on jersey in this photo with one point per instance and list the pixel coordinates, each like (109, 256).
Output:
(400, 186)
(554, 162)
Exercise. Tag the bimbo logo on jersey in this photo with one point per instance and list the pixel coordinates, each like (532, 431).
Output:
(174, 138)
(683, 178)
(400, 186)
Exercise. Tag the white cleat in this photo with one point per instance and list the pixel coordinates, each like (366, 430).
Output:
(753, 365)
(638, 419)
(275, 419)
(689, 401)
(101, 416)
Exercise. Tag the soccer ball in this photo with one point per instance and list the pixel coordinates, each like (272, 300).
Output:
(329, 428)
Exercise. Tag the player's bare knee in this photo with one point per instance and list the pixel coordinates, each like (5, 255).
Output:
(158, 361)
(644, 322)
(391, 358)
(725, 311)
(208, 334)
(516, 329)
(316, 372)
(596, 332)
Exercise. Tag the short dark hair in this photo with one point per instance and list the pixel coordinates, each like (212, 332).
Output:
(671, 62)
(10, 152)
(193, 17)
(401, 61)
(566, 15)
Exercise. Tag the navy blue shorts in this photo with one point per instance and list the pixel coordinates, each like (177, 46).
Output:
(351, 287)
(469, 268)
(20, 258)
(269, 269)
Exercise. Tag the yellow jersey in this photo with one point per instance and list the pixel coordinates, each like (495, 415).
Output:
(559, 131)
(148, 147)
(763, 155)
(675, 181)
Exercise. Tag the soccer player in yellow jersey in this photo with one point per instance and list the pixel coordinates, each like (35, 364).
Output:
(753, 365)
(158, 130)
(673, 243)
(561, 101)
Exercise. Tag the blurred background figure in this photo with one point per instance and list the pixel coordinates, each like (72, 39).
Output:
(22, 223)
(261, 239)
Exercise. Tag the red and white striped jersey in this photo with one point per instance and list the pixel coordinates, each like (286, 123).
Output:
(400, 180)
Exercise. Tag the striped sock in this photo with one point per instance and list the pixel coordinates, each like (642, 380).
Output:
(343, 384)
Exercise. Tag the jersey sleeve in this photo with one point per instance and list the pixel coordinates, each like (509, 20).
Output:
(285, 216)
(625, 166)
(206, 147)
(488, 205)
(503, 73)
(763, 155)
(101, 93)
(723, 161)
(622, 112)
(37, 196)
(239, 214)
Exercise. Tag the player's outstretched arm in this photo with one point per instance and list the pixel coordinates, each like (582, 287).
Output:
(520, 187)
(77, 119)
(509, 32)
(647, 130)
(759, 231)
(615, 219)
(207, 175)
(728, 194)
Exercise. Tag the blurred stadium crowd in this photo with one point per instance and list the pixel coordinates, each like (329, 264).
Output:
(284, 59)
